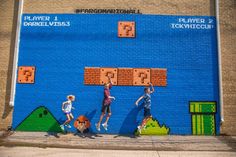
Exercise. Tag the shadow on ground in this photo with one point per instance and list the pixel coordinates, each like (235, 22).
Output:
(130, 120)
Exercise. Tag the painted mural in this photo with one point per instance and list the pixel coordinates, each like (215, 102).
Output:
(203, 118)
(83, 55)
(152, 127)
(41, 119)
(82, 124)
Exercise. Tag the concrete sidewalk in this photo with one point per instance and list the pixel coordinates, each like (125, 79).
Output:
(116, 142)
(62, 152)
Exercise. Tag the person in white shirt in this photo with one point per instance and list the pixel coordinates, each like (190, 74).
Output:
(66, 108)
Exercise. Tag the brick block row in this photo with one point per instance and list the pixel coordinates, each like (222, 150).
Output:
(125, 76)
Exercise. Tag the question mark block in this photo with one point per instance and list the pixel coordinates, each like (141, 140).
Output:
(105, 73)
(141, 77)
(126, 29)
(26, 74)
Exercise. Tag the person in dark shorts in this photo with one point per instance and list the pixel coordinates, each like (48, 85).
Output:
(146, 105)
(106, 106)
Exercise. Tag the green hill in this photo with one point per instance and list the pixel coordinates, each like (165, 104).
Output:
(40, 120)
(153, 127)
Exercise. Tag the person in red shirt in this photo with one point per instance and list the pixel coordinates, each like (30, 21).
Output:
(106, 105)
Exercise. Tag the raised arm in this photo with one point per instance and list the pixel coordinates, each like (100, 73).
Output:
(109, 79)
(109, 82)
(151, 88)
(139, 99)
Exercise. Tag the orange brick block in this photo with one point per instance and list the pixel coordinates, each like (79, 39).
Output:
(91, 76)
(141, 77)
(26, 74)
(105, 73)
(125, 76)
(159, 77)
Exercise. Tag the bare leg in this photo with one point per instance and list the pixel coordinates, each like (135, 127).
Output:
(145, 121)
(107, 118)
(100, 120)
(71, 116)
(68, 119)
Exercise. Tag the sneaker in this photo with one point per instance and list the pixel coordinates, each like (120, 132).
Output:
(62, 127)
(105, 126)
(68, 126)
(97, 127)
(139, 129)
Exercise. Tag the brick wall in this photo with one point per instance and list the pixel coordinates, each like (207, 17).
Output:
(7, 35)
(185, 7)
(228, 38)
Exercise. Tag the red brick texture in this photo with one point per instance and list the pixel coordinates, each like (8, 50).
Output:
(91, 76)
(159, 77)
(125, 76)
